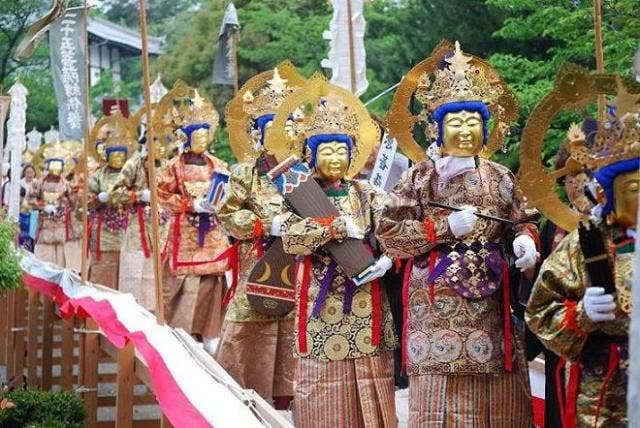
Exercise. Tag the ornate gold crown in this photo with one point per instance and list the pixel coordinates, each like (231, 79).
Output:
(259, 96)
(182, 106)
(112, 131)
(464, 78)
(54, 150)
(460, 80)
(320, 108)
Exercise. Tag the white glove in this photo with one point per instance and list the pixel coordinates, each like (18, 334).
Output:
(353, 230)
(462, 222)
(201, 206)
(103, 197)
(599, 306)
(276, 226)
(50, 209)
(377, 270)
(525, 250)
(145, 195)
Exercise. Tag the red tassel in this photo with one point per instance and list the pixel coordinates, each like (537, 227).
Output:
(98, 237)
(376, 313)
(614, 359)
(559, 383)
(569, 320)
(175, 240)
(572, 397)
(302, 310)
(398, 264)
(143, 233)
(405, 311)
(67, 224)
(257, 236)
(432, 287)
(88, 238)
(233, 254)
(506, 308)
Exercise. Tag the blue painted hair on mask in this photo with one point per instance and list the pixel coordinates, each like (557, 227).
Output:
(190, 129)
(112, 149)
(457, 106)
(261, 123)
(607, 175)
(48, 161)
(314, 141)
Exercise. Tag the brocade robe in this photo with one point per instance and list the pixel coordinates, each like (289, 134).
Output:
(456, 302)
(195, 240)
(108, 221)
(556, 314)
(53, 228)
(343, 324)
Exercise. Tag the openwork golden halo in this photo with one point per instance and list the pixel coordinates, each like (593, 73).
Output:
(52, 150)
(574, 88)
(183, 105)
(401, 121)
(240, 120)
(113, 130)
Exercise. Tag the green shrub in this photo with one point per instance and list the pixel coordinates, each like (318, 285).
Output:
(10, 271)
(43, 409)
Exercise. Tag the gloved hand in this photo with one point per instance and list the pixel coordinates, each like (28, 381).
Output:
(353, 230)
(144, 195)
(525, 250)
(377, 270)
(50, 209)
(598, 306)
(103, 197)
(201, 206)
(462, 222)
(276, 226)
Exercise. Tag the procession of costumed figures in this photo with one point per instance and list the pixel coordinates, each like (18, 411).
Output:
(323, 282)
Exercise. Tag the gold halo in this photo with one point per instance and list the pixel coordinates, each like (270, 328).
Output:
(282, 144)
(55, 149)
(171, 109)
(574, 88)
(400, 121)
(136, 121)
(123, 135)
(240, 122)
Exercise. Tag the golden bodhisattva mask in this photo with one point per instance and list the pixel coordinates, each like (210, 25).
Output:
(200, 140)
(332, 161)
(463, 133)
(116, 159)
(55, 168)
(625, 193)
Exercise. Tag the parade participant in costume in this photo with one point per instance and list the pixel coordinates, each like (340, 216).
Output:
(75, 179)
(344, 333)
(131, 189)
(580, 305)
(462, 354)
(53, 197)
(194, 294)
(247, 213)
(107, 217)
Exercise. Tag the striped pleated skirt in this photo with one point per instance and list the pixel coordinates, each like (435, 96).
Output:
(350, 393)
(478, 401)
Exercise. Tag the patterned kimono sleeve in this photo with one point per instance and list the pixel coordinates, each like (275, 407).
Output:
(121, 192)
(304, 236)
(233, 214)
(34, 197)
(169, 194)
(70, 199)
(404, 229)
(555, 311)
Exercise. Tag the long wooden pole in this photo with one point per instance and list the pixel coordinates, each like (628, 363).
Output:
(151, 160)
(597, 25)
(84, 263)
(352, 49)
(234, 59)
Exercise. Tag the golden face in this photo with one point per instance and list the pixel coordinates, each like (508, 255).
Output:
(116, 159)
(625, 193)
(159, 151)
(332, 161)
(462, 133)
(200, 140)
(55, 168)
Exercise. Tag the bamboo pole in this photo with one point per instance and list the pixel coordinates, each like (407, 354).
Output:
(352, 54)
(597, 25)
(151, 160)
(84, 267)
(234, 58)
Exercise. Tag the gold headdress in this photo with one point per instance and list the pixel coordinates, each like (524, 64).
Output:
(259, 96)
(138, 123)
(464, 78)
(27, 156)
(54, 150)
(320, 108)
(112, 131)
(615, 140)
(180, 107)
